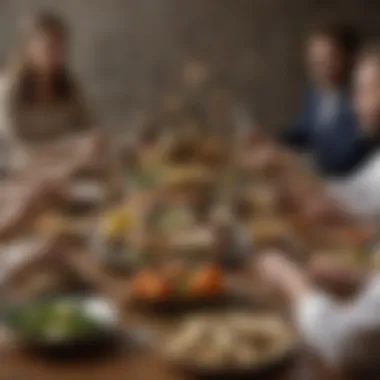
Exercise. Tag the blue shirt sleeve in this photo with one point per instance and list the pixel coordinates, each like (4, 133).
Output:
(298, 135)
(343, 151)
(343, 162)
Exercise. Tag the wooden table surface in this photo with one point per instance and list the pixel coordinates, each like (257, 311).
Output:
(16, 364)
(136, 366)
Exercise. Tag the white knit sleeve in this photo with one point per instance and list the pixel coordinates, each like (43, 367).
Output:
(360, 193)
(342, 333)
(323, 325)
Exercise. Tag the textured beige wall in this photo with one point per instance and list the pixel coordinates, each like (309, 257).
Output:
(126, 51)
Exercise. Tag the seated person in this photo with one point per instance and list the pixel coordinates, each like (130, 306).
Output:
(326, 127)
(40, 100)
(359, 192)
(40, 104)
(345, 335)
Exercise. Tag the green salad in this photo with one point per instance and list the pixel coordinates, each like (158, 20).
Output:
(54, 321)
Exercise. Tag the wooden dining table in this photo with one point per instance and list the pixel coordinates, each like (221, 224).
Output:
(135, 363)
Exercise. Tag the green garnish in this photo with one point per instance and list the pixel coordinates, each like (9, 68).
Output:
(61, 321)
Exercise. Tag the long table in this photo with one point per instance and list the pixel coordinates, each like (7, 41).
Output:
(142, 364)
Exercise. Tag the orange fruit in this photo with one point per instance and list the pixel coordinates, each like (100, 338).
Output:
(149, 285)
(206, 281)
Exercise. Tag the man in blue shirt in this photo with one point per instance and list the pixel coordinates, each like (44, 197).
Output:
(326, 126)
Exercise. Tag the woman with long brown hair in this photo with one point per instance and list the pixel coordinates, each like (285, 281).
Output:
(39, 98)
(40, 102)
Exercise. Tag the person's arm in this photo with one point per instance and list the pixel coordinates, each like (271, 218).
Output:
(346, 147)
(359, 193)
(347, 158)
(346, 335)
(323, 324)
(341, 334)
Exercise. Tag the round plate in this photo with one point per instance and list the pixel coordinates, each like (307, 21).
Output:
(277, 361)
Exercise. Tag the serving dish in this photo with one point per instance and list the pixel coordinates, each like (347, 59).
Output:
(64, 326)
(235, 339)
(178, 286)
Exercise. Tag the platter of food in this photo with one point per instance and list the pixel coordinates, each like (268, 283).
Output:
(230, 344)
(178, 286)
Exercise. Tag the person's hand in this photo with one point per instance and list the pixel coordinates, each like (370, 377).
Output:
(283, 275)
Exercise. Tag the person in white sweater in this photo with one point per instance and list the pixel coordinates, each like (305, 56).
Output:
(346, 335)
(360, 191)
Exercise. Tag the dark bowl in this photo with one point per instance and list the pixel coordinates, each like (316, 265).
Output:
(103, 340)
(99, 346)
(177, 305)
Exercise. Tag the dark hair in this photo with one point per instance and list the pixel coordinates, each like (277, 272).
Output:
(23, 76)
(346, 37)
(45, 21)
